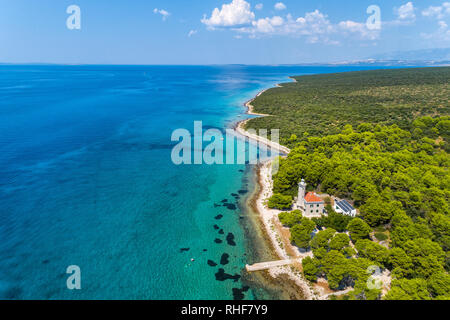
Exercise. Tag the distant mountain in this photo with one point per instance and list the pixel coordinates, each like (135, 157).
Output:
(426, 57)
(441, 54)
(392, 63)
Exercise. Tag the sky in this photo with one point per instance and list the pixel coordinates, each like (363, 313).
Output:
(217, 31)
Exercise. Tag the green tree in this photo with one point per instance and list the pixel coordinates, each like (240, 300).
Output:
(279, 201)
(373, 251)
(358, 229)
(439, 285)
(290, 219)
(339, 242)
(322, 238)
(399, 259)
(404, 289)
(301, 233)
(310, 268)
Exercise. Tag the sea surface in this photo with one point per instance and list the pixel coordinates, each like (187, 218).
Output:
(86, 179)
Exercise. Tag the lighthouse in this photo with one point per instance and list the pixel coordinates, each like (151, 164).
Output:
(301, 194)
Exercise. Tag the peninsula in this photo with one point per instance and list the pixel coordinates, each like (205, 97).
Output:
(368, 151)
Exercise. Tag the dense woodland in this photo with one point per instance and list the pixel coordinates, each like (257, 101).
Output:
(393, 166)
(322, 104)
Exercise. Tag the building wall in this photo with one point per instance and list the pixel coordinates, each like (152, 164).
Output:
(314, 209)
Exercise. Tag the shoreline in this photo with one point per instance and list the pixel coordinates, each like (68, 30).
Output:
(275, 233)
(278, 236)
(240, 127)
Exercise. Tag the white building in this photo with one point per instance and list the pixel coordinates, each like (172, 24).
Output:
(342, 206)
(310, 204)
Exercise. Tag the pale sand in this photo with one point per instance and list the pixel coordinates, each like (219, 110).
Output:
(268, 216)
(240, 129)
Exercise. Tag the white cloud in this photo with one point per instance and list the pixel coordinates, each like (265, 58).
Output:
(267, 25)
(236, 13)
(165, 14)
(406, 12)
(359, 29)
(191, 33)
(259, 6)
(314, 26)
(438, 12)
(280, 6)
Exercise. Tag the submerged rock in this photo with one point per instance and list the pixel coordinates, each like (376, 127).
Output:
(230, 206)
(222, 276)
(230, 239)
(211, 263)
(224, 259)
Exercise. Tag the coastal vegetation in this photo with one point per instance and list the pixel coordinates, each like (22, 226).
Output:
(380, 139)
(317, 105)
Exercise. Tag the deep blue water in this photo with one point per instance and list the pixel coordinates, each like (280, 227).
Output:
(86, 179)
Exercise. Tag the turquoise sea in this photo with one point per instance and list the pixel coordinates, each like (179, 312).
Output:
(86, 179)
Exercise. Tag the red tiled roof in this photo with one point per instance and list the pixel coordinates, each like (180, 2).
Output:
(311, 197)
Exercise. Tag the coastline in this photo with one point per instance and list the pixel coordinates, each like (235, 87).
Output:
(240, 127)
(276, 235)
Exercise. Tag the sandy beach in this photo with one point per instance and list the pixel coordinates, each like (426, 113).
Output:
(278, 235)
(240, 128)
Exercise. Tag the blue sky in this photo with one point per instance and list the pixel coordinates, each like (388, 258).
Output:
(217, 31)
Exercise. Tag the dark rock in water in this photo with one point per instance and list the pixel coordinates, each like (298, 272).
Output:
(217, 205)
(238, 294)
(241, 170)
(185, 249)
(224, 201)
(218, 217)
(45, 261)
(221, 231)
(211, 263)
(241, 217)
(224, 259)
(242, 191)
(222, 276)
(235, 195)
(247, 162)
(218, 241)
(216, 227)
(204, 250)
(230, 206)
(230, 239)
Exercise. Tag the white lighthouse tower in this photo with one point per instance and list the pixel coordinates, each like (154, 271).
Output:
(301, 194)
